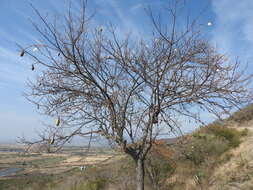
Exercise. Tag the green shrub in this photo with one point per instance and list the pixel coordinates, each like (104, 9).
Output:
(244, 115)
(245, 132)
(212, 141)
(201, 149)
(229, 134)
(95, 184)
(201, 174)
(158, 169)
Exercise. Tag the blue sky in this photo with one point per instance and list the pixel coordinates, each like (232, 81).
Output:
(231, 32)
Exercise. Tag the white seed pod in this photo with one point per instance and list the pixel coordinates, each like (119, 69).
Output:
(209, 24)
(51, 141)
(58, 121)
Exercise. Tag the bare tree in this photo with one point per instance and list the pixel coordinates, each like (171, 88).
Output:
(130, 90)
(45, 141)
(51, 139)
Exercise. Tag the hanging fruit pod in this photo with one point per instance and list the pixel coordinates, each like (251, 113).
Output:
(100, 29)
(58, 121)
(109, 57)
(33, 67)
(51, 141)
(22, 53)
(59, 54)
(38, 106)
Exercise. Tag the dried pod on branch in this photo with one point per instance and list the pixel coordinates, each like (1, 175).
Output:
(22, 53)
(58, 121)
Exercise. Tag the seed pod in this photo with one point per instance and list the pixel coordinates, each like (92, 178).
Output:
(51, 141)
(100, 29)
(22, 53)
(58, 121)
(38, 106)
(59, 54)
(33, 67)
(109, 57)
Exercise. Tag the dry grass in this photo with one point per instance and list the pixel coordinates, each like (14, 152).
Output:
(232, 169)
(214, 158)
(238, 171)
(209, 158)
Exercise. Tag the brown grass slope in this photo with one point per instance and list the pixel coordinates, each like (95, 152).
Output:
(218, 157)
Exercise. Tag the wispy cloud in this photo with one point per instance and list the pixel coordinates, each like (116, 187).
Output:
(13, 70)
(233, 27)
(122, 17)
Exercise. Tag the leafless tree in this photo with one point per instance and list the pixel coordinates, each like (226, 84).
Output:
(45, 141)
(130, 90)
(51, 139)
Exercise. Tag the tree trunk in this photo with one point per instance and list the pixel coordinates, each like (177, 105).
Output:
(140, 174)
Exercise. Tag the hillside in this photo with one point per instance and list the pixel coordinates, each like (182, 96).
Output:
(216, 157)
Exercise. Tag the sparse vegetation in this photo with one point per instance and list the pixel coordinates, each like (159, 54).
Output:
(158, 169)
(95, 184)
(244, 115)
(211, 141)
(189, 167)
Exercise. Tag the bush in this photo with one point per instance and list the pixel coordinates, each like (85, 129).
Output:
(229, 134)
(95, 184)
(244, 115)
(201, 149)
(245, 132)
(158, 168)
(212, 141)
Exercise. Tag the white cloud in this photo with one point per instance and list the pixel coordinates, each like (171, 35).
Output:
(233, 31)
(13, 69)
(123, 18)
